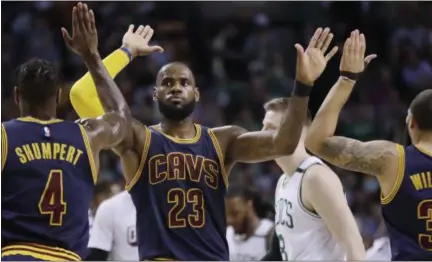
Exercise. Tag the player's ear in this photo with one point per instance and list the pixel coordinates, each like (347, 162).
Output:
(58, 96)
(16, 95)
(155, 93)
(249, 204)
(411, 123)
(197, 94)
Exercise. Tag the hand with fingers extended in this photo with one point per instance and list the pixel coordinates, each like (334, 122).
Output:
(353, 60)
(138, 42)
(84, 40)
(312, 62)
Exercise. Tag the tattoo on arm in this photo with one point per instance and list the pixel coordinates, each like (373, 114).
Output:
(366, 157)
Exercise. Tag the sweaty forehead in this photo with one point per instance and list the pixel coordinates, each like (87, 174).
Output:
(175, 71)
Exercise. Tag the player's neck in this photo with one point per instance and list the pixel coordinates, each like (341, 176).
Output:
(425, 141)
(184, 129)
(289, 164)
(39, 113)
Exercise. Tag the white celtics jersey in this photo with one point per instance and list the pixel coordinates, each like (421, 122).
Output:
(114, 228)
(380, 250)
(251, 249)
(302, 234)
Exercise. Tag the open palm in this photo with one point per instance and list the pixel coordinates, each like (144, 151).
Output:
(84, 39)
(312, 62)
(138, 41)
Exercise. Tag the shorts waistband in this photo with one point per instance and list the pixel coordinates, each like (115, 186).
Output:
(39, 251)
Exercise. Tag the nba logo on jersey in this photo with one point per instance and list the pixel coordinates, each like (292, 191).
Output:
(47, 132)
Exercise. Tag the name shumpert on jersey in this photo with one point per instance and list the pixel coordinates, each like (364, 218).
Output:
(48, 151)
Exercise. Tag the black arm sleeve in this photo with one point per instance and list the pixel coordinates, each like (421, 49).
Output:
(274, 252)
(97, 255)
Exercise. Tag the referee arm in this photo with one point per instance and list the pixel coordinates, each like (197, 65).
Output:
(274, 252)
(97, 255)
(101, 234)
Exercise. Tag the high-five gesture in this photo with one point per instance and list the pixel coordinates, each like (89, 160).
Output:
(84, 40)
(138, 42)
(312, 62)
(353, 56)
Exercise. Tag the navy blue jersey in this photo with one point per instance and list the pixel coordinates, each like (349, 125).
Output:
(407, 210)
(179, 195)
(47, 182)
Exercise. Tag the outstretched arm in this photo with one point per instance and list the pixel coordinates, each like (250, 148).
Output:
(83, 94)
(261, 146)
(372, 157)
(111, 128)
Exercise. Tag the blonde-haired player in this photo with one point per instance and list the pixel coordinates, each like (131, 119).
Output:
(313, 219)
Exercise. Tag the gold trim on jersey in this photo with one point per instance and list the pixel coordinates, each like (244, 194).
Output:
(141, 165)
(89, 150)
(220, 154)
(181, 140)
(399, 177)
(42, 122)
(40, 252)
(424, 150)
(4, 146)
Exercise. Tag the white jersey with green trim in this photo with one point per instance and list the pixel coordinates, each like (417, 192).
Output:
(302, 234)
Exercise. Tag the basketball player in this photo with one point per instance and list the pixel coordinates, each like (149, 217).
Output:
(49, 166)
(113, 235)
(313, 219)
(404, 173)
(176, 171)
(248, 229)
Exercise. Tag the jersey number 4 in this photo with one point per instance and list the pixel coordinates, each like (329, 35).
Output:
(52, 200)
(424, 212)
(180, 199)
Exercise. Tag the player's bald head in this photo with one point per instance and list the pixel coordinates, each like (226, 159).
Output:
(175, 70)
(176, 91)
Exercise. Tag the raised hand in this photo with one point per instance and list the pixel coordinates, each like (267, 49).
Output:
(84, 40)
(312, 62)
(138, 42)
(353, 55)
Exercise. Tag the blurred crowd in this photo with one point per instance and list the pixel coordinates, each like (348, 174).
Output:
(242, 54)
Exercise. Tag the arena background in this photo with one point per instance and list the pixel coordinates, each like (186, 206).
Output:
(242, 54)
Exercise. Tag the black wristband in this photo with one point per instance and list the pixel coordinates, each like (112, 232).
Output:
(350, 75)
(301, 89)
(127, 51)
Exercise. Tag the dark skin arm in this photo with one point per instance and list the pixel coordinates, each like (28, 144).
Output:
(97, 255)
(273, 253)
(375, 157)
(383, 159)
(130, 148)
(110, 129)
(260, 146)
